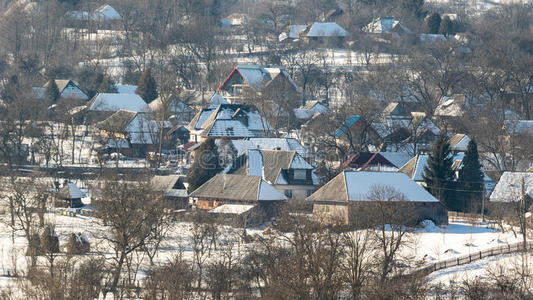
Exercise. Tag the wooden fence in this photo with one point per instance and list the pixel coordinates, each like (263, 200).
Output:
(466, 259)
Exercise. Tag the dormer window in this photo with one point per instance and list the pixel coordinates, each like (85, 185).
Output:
(300, 174)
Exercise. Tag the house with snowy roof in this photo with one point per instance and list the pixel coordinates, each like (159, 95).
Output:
(244, 195)
(285, 144)
(350, 198)
(287, 171)
(401, 131)
(125, 88)
(173, 109)
(68, 89)
(310, 109)
(323, 32)
(104, 13)
(233, 121)
(104, 105)
(386, 26)
(450, 109)
(376, 161)
(256, 81)
(509, 187)
(131, 133)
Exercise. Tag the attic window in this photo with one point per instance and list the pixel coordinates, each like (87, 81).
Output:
(300, 174)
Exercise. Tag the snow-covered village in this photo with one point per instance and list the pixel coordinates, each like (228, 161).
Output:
(266, 149)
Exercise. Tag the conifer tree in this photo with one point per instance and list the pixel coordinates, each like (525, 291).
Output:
(107, 86)
(52, 91)
(432, 23)
(205, 166)
(95, 84)
(438, 174)
(147, 88)
(470, 181)
(446, 26)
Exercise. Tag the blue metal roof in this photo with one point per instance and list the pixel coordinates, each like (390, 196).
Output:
(347, 125)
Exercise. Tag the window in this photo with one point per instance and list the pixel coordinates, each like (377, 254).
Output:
(300, 174)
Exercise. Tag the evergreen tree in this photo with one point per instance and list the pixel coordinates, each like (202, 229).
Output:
(432, 23)
(205, 166)
(52, 91)
(470, 181)
(107, 86)
(446, 26)
(95, 84)
(438, 174)
(147, 88)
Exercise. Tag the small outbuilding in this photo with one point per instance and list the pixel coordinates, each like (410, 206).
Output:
(69, 196)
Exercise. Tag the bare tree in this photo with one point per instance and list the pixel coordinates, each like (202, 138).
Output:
(133, 214)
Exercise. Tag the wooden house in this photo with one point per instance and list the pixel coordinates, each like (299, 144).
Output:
(348, 198)
(104, 105)
(287, 171)
(254, 81)
(233, 121)
(246, 195)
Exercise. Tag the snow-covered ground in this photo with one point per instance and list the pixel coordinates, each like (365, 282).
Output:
(482, 269)
(459, 238)
(426, 245)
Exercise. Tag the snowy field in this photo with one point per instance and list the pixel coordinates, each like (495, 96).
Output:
(426, 245)
(482, 269)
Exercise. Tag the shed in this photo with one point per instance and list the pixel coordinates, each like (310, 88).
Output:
(69, 196)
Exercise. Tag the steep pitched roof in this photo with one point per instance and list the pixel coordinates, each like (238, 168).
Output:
(310, 109)
(451, 106)
(239, 188)
(356, 186)
(269, 164)
(175, 106)
(383, 25)
(459, 142)
(206, 117)
(216, 100)
(258, 76)
(70, 191)
(414, 168)
(68, 89)
(117, 122)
